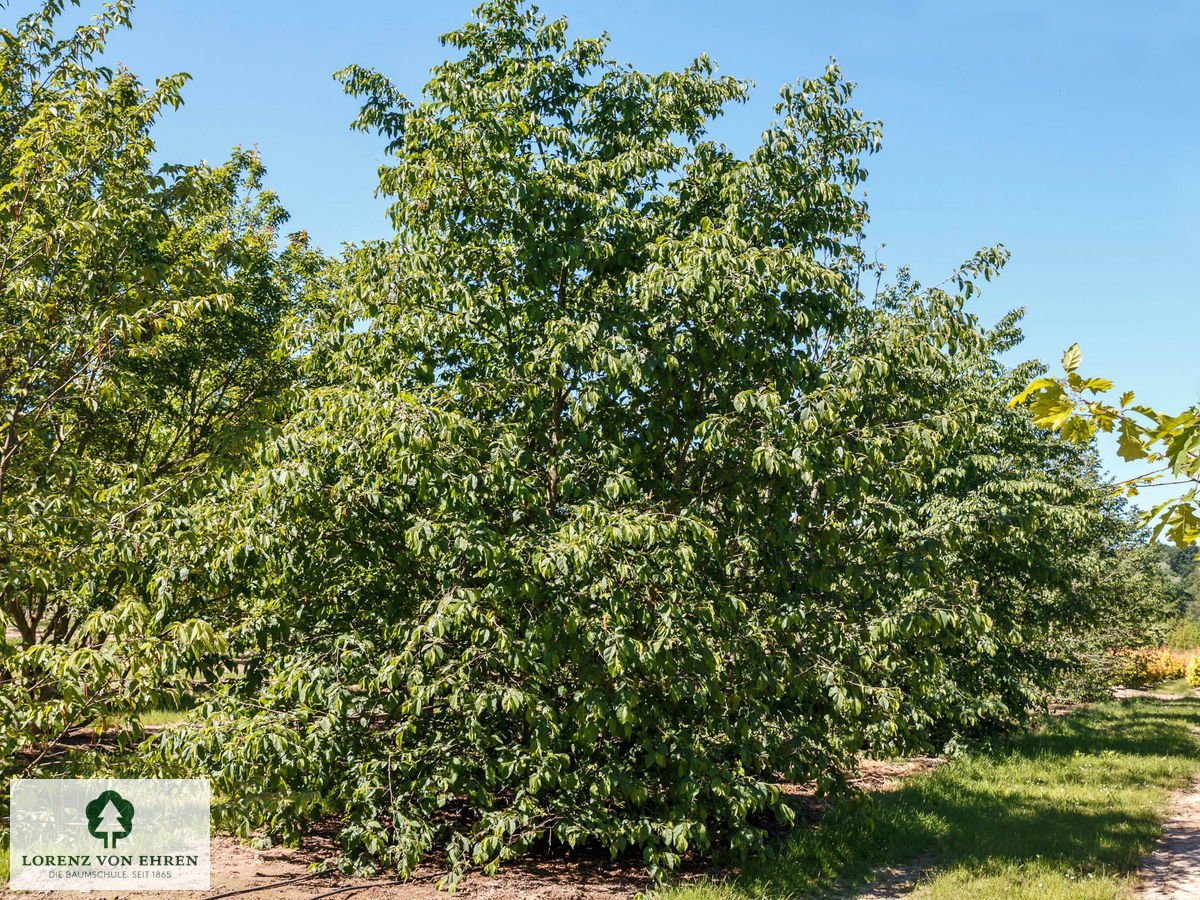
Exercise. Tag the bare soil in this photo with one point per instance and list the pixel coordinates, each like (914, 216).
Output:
(1172, 871)
(893, 881)
(282, 874)
(1127, 693)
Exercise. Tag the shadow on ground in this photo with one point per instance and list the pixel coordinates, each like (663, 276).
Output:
(1081, 795)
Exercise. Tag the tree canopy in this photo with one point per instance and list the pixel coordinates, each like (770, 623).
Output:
(637, 501)
(612, 492)
(142, 314)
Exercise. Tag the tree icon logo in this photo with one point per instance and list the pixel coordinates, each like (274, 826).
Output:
(110, 818)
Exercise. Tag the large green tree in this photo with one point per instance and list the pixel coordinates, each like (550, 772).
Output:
(1026, 531)
(614, 499)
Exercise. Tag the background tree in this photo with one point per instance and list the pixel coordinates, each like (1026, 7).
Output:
(1181, 573)
(1019, 528)
(142, 314)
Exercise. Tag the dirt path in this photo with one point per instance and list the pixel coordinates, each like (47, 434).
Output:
(1172, 871)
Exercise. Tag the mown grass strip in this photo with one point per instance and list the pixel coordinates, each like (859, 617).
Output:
(1064, 811)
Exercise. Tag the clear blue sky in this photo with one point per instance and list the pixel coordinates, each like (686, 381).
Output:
(1069, 131)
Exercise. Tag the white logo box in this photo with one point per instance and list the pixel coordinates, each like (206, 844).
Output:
(109, 833)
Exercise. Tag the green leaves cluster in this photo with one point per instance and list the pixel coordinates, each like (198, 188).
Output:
(1170, 442)
(124, 661)
(596, 504)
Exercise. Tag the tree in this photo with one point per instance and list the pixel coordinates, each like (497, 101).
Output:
(1020, 527)
(142, 315)
(1181, 579)
(624, 502)
(1171, 442)
(110, 817)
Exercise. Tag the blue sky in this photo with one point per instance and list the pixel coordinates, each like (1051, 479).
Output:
(1066, 130)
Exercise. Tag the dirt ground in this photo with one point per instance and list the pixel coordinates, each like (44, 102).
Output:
(1172, 871)
(238, 870)
(1126, 693)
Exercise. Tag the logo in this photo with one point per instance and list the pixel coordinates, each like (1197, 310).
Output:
(108, 834)
(110, 818)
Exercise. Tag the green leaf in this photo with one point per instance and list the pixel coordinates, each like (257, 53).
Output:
(1072, 358)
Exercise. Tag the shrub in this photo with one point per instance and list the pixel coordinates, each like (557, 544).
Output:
(1150, 665)
(613, 501)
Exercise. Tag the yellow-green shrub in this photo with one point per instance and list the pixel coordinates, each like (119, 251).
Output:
(1150, 665)
(1193, 672)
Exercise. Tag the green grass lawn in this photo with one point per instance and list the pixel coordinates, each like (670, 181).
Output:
(1178, 686)
(1062, 812)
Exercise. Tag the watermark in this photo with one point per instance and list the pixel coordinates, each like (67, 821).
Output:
(109, 833)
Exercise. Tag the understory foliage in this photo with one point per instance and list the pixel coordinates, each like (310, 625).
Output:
(1152, 665)
(618, 494)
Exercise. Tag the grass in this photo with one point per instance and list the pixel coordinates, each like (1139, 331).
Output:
(1064, 811)
(155, 717)
(167, 714)
(1177, 686)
